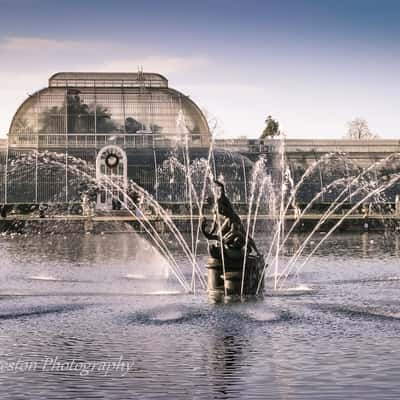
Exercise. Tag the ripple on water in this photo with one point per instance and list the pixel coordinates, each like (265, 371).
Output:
(359, 312)
(369, 280)
(136, 276)
(48, 278)
(38, 311)
(164, 293)
(293, 291)
(170, 316)
(263, 316)
(232, 316)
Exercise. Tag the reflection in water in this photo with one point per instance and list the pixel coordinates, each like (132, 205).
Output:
(225, 359)
(365, 243)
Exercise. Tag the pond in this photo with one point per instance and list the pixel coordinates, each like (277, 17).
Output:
(100, 316)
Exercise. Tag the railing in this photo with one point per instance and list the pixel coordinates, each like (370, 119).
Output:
(142, 140)
(342, 145)
(86, 140)
(77, 83)
(168, 140)
(243, 145)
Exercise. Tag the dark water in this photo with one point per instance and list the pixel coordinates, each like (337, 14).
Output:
(75, 310)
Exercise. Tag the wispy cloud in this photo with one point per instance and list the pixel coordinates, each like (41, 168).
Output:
(20, 43)
(163, 64)
(105, 55)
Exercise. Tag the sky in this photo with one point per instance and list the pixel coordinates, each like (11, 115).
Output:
(312, 65)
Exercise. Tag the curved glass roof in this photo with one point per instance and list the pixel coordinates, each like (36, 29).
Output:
(107, 79)
(91, 104)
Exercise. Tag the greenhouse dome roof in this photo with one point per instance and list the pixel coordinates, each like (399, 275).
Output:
(107, 79)
(80, 105)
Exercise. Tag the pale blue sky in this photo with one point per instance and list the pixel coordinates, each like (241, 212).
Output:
(312, 64)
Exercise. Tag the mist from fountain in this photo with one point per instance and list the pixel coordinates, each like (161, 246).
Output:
(144, 221)
(286, 182)
(376, 191)
(183, 131)
(258, 169)
(336, 204)
(78, 167)
(333, 207)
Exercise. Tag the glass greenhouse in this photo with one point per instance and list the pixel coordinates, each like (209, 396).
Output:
(135, 117)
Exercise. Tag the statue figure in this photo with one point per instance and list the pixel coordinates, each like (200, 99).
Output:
(232, 231)
(227, 229)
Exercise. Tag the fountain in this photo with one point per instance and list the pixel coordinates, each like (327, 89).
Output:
(236, 268)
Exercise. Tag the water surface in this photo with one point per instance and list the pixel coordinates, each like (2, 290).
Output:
(75, 309)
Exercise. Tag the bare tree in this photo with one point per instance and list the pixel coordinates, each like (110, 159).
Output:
(358, 130)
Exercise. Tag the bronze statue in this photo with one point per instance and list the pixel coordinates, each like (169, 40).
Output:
(232, 231)
(225, 267)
